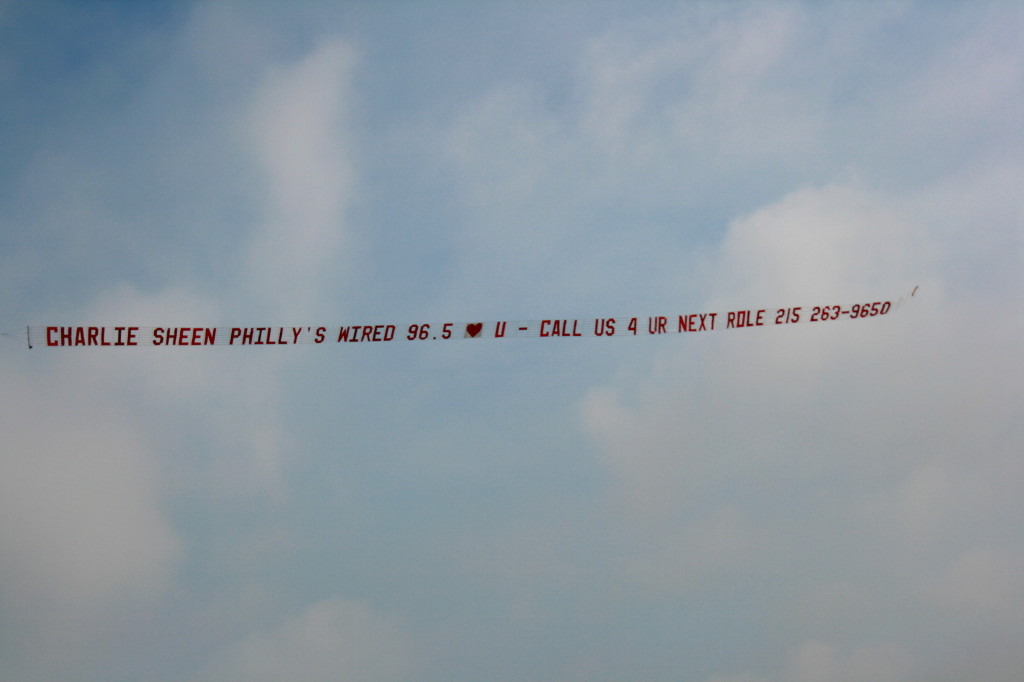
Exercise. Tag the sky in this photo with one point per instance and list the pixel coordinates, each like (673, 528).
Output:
(813, 503)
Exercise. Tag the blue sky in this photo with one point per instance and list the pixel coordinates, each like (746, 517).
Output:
(819, 503)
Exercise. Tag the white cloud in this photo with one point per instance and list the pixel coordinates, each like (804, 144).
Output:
(299, 124)
(98, 440)
(663, 125)
(816, 661)
(704, 77)
(890, 436)
(821, 661)
(971, 90)
(332, 640)
(839, 474)
(981, 581)
(229, 398)
(810, 247)
(824, 242)
(709, 549)
(82, 500)
(83, 534)
(97, 443)
(844, 461)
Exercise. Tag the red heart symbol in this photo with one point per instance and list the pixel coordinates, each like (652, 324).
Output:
(473, 330)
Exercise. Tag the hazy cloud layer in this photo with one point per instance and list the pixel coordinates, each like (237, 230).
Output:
(819, 502)
(329, 640)
(299, 127)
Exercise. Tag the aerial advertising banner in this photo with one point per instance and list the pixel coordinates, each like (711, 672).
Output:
(126, 335)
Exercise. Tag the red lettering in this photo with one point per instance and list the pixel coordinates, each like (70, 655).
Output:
(86, 336)
(295, 334)
(180, 336)
(745, 318)
(235, 333)
(389, 332)
(561, 328)
(358, 332)
(320, 331)
(543, 331)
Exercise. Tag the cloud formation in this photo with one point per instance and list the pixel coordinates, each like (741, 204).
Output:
(818, 502)
(332, 639)
(299, 132)
(84, 531)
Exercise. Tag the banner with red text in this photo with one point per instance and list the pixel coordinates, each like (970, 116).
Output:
(126, 335)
